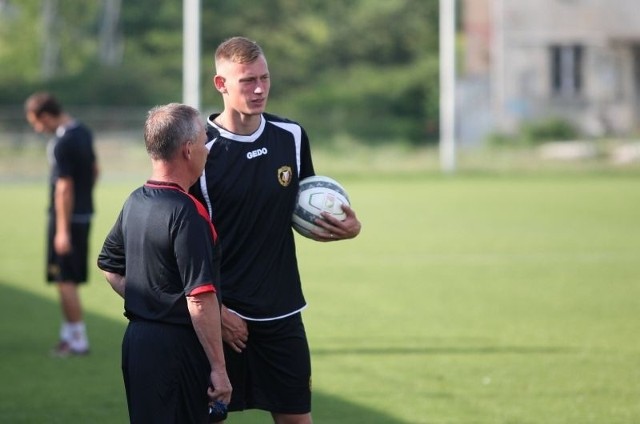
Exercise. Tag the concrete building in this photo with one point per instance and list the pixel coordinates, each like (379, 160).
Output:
(524, 60)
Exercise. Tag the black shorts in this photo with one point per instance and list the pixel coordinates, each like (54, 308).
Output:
(166, 374)
(273, 373)
(71, 267)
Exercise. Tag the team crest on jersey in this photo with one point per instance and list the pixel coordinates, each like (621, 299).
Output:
(284, 175)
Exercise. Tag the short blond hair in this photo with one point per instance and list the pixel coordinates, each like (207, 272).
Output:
(238, 50)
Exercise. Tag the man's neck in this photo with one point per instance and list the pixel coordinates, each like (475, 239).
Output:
(239, 123)
(167, 172)
(65, 120)
(62, 124)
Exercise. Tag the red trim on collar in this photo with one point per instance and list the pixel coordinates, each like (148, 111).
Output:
(201, 209)
(163, 184)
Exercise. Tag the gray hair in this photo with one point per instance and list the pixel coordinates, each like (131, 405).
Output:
(168, 127)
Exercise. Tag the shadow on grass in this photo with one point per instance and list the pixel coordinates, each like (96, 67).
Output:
(35, 387)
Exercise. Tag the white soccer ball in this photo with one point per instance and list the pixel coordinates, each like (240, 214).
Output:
(317, 194)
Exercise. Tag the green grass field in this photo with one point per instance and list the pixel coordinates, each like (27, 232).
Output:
(490, 299)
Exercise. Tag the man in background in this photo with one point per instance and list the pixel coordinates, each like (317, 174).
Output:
(73, 173)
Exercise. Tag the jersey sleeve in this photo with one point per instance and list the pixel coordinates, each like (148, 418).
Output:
(112, 255)
(64, 156)
(194, 251)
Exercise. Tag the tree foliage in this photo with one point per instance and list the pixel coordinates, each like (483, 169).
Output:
(363, 67)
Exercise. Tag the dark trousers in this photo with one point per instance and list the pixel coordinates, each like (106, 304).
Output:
(166, 374)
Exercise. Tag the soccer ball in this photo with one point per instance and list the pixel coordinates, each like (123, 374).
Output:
(317, 194)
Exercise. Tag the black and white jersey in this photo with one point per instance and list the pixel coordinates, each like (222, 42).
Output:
(249, 186)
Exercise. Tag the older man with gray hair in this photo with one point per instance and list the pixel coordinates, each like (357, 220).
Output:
(162, 256)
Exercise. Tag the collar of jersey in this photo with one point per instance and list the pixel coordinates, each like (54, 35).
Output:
(62, 129)
(237, 137)
(162, 184)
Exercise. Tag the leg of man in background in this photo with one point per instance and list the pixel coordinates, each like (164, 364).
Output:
(73, 335)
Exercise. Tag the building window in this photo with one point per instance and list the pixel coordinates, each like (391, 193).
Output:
(566, 70)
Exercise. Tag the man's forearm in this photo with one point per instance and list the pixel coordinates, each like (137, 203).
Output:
(205, 316)
(117, 282)
(63, 204)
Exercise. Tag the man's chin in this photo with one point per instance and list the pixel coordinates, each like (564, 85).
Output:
(258, 108)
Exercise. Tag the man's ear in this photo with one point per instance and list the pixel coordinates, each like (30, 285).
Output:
(219, 84)
(186, 150)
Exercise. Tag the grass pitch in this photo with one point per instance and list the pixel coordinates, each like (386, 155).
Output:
(488, 299)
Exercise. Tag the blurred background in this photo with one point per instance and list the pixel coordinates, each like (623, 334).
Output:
(504, 294)
(551, 83)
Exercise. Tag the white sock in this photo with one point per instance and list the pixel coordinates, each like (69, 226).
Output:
(65, 332)
(77, 336)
